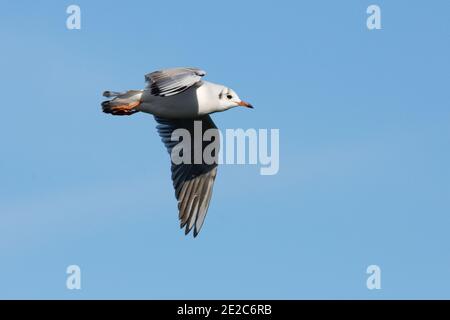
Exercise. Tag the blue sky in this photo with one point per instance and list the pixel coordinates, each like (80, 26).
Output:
(364, 151)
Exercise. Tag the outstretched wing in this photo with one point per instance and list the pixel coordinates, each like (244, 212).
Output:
(169, 82)
(193, 182)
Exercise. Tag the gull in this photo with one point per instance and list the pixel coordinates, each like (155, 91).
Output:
(178, 97)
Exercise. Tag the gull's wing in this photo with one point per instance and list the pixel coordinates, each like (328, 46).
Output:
(169, 82)
(193, 183)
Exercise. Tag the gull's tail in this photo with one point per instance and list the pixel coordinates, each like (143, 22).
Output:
(122, 103)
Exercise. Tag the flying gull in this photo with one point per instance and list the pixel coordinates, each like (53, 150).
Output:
(178, 97)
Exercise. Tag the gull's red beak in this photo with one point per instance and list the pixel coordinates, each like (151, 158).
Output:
(245, 104)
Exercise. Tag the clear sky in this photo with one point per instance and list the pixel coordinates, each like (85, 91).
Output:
(364, 119)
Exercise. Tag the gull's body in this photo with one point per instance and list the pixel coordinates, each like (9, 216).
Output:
(177, 97)
(196, 101)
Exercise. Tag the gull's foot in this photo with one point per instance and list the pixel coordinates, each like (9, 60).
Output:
(117, 108)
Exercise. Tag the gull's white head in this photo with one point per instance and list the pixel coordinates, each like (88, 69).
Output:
(229, 99)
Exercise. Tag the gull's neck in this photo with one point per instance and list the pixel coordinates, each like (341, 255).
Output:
(208, 97)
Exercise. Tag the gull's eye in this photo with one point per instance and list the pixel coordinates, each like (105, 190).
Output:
(229, 96)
